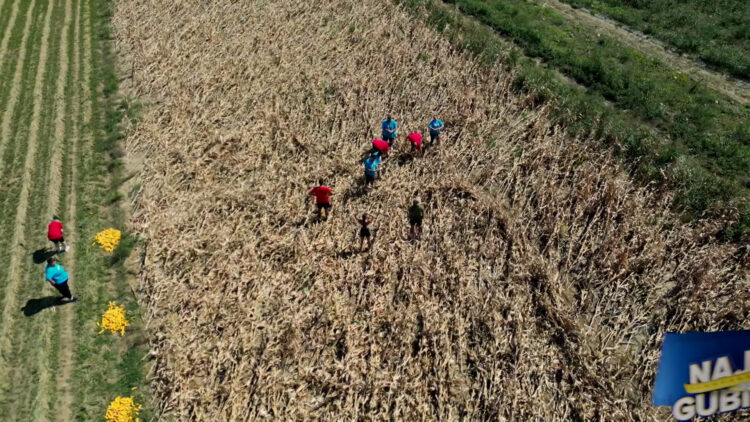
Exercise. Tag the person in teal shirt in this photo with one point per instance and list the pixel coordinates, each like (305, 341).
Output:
(388, 129)
(57, 277)
(371, 169)
(435, 125)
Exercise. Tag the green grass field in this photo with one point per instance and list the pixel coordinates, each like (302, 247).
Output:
(717, 32)
(670, 128)
(56, 138)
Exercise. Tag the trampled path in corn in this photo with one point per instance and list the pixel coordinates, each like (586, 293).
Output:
(44, 95)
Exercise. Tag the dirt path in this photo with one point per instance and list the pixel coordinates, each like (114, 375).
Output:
(733, 88)
(16, 86)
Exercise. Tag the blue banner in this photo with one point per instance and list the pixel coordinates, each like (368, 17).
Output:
(703, 373)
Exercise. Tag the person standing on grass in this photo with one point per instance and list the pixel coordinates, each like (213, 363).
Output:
(416, 215)
(57, 277)
(388, 129)
(415, 138)
(371, 169)
(435, 125)
(322, 195)
(364, 230)
(55, 234)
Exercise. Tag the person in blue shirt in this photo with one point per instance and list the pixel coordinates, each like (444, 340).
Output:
(57, 277)
(435, 125)
(388, 129)
(371, 169)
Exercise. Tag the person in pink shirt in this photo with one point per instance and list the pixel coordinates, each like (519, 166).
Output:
(322, 195)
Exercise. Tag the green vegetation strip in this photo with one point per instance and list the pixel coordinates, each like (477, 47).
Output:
(717, 32)
(104, 365)
(669, 128)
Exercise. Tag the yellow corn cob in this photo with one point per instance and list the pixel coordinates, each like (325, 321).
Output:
(122, 409)
(113, 319)
(108, 239)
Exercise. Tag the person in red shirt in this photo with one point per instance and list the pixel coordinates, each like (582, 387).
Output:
(55, 234)
(380, 146)
(322, 195)
(416, 142)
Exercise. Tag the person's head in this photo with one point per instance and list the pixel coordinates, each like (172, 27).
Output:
(54, 217)
(415, 201)
(388, 118)
(320, 182)
(364, 216)
(51, 260)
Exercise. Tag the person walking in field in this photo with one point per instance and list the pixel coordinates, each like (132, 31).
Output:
(435, 125)
(416, 215)
(322, 195)
(57, 277)
(371, 169)
(380, 146)
(55, 234)
(364, 230)
(388, 129)
(415, 138)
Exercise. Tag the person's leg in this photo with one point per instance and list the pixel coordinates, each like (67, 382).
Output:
(361, 241)
(64, 290)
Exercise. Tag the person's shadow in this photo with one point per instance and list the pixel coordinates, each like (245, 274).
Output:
(34, 306)
(40, 256)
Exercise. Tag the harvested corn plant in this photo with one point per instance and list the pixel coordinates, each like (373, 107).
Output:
(541, 287)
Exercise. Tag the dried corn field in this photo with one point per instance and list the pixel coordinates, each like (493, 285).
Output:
(540, 290)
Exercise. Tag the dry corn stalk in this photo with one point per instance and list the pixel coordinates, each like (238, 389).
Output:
(539, 292)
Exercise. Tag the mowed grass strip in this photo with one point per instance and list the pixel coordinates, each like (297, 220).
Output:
(18, 335)
(31, 333)
(115, 362)
(13, 90)
(15, 118)
(43, 403)
(64, 400)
